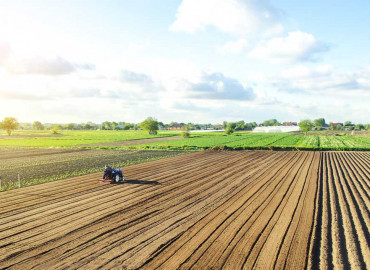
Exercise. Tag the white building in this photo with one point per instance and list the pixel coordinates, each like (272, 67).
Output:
(276, 129)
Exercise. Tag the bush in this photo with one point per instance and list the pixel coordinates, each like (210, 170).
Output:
(185, 131)
(55, 129)
(150, 124)
(9, 124)
(229, 129)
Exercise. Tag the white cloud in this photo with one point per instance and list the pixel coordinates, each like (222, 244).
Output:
(133, 77)
(236, 17)
(38, 65)
(302, 71)
(218, 86)
(15, 95)
(4, 52)
(297, 46)
(45, 66)
(234, 46)
(324, 79)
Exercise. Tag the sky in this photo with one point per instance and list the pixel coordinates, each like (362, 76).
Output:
(202, 61)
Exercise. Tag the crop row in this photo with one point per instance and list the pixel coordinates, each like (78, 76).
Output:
(76, 138)
(264, 141)
(40, 169)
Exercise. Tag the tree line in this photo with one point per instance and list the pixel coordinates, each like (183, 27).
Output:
(152, 125)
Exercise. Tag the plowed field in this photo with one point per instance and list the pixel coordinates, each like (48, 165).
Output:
(205, 210)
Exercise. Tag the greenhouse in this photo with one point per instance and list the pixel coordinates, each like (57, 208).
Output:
(276, 129)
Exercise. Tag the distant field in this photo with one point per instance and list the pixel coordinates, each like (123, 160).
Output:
(244, 141)
(73, 138)
(321, 140)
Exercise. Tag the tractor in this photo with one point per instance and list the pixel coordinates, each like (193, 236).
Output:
(112, 175)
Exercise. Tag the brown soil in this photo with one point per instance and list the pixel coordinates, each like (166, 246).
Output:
(205, 210)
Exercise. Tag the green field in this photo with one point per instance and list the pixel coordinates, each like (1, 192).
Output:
(197, 141)
(73, 138)
(39, 165)
(240, 141)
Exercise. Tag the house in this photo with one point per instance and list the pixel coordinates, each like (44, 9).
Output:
(289, 124)
(176, 127)
(336, 124)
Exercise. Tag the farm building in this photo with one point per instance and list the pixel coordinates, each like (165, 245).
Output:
(176, 126)
(290, 124)
(336, 124)
(276, 129)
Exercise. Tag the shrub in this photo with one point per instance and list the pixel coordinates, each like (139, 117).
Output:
(229, 129)
(185, 131)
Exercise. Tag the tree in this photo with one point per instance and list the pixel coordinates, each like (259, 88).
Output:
(126, 126)
(26, 126)
(305, 125)
(37, 125)
(9, 124)
(55, 129)
(185, 131)
(229, 129)
(106, 125)
(251, 125)
(271, 122)
(89, 126)
(70, 126)
(150, 124)
(319, 123)
(348, 124)
(115, 126)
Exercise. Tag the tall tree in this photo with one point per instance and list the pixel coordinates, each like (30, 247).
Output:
(106, 125)
(319, 123)
(185, 131)
(305, 125)
(70, 126)
(114, 125)
(9, 124)
(271, 122)
(229, 128)
(150, 124)
(37, 125)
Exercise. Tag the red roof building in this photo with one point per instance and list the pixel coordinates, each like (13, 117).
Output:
(290, 124)
(336, 124)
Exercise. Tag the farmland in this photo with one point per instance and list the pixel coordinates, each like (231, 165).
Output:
(204, 210)
(37, 156)
(38, 165)
(198, 141)
(74, 138)
(276, 141)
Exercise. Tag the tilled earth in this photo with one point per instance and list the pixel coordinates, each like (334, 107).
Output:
(205, 210)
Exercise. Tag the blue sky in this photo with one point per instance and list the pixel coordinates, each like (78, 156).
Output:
(186, 61)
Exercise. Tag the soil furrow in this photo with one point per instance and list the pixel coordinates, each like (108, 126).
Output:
(203, 210)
